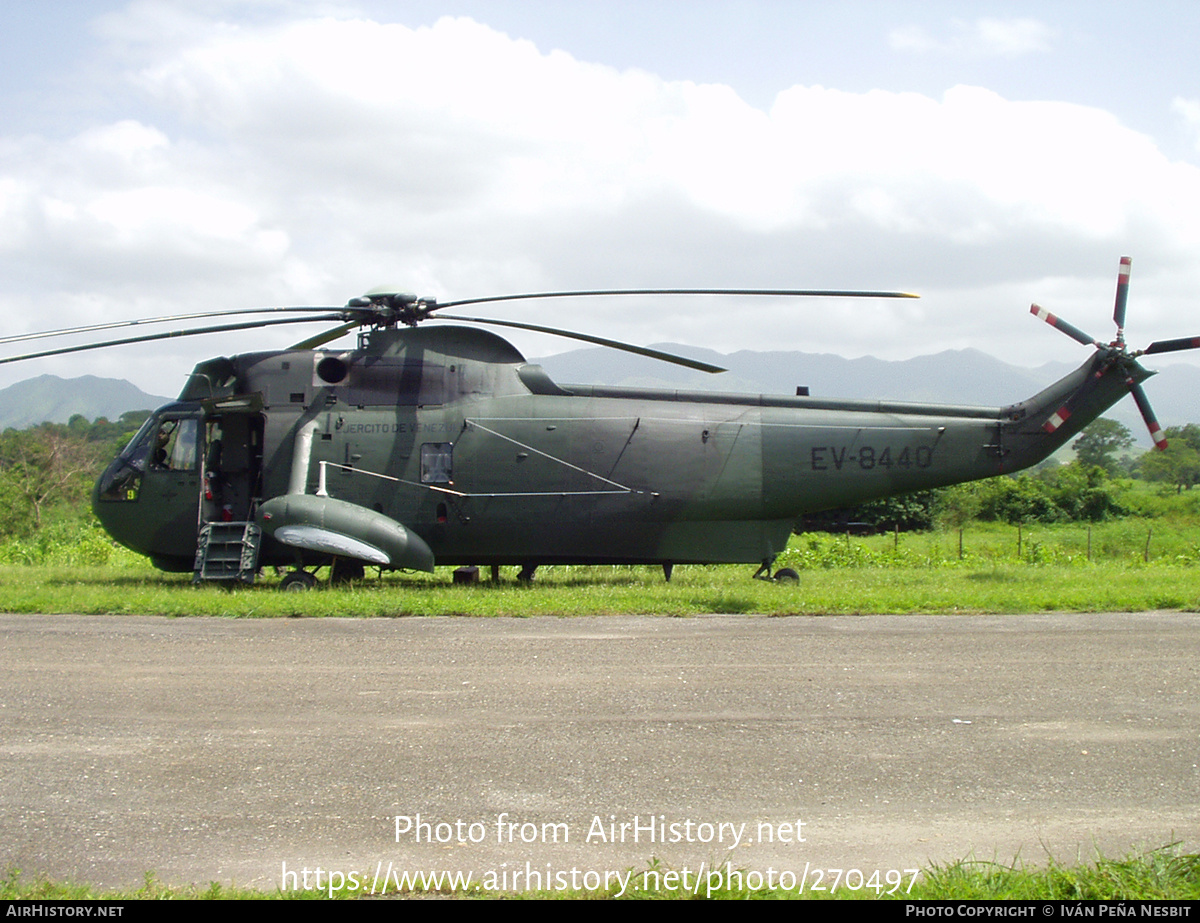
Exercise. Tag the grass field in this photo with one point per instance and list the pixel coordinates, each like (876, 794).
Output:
(1147, 560)
(995, 588)
(1131, 565)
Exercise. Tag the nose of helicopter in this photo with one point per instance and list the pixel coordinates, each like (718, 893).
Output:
(114, 503)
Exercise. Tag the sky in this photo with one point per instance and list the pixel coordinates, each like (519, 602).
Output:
(163, 158)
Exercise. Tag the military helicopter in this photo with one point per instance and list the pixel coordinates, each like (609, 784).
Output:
(431, 444)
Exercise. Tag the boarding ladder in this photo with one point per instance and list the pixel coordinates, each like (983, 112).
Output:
(227, 551)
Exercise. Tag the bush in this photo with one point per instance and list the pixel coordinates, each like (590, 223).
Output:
(62, 543)
(1068, 493)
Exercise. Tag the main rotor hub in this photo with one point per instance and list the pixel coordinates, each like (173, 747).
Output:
(384, 307)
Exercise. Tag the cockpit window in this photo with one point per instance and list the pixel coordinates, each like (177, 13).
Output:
(175, 445)
(135, 452)
(169, 444)
(122, 479)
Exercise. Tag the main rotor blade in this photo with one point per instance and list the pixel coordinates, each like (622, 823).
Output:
(1122, 296)
(779, 293)
(196, 331)
(599, 341)
(92, 328)
(1059, 324)
(327, 337)
(1171, 346)
(1139, 398)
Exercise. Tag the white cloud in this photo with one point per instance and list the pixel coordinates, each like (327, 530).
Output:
(307, 161)
(982, 38)
(1188, 111)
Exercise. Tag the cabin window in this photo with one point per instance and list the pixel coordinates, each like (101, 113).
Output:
(436, 463)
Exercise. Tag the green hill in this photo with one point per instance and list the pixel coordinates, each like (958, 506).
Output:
(49, 398)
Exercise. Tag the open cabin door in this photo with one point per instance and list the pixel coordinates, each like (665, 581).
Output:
(228, 539)
(232, 470)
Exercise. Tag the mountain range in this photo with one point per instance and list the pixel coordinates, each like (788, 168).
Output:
(965, 376)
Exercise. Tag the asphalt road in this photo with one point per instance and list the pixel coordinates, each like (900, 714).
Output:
(247, 751)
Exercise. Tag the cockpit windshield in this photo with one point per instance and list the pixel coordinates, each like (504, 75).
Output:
(166, 442)
(137, 446)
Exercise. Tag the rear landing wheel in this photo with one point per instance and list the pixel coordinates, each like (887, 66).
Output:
(297, 582)
(786, 575)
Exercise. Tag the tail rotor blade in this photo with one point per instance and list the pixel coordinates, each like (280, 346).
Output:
(1139, 397)
(1171, 346)
(1059, 324)
(1122, 297)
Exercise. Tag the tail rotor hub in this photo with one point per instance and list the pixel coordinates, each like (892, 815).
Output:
(1116, 354)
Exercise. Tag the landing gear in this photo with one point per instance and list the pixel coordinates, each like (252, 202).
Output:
(346, 570)
(526, 574)
(298, 581)
(668, 567)
(342, 572)
(783, 575)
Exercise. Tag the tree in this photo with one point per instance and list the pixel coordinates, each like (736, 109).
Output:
(1179, 463)
(1100, 443)
(1085, 493)
(40, 467)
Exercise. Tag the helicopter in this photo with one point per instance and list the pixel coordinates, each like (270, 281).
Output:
(441, 444)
